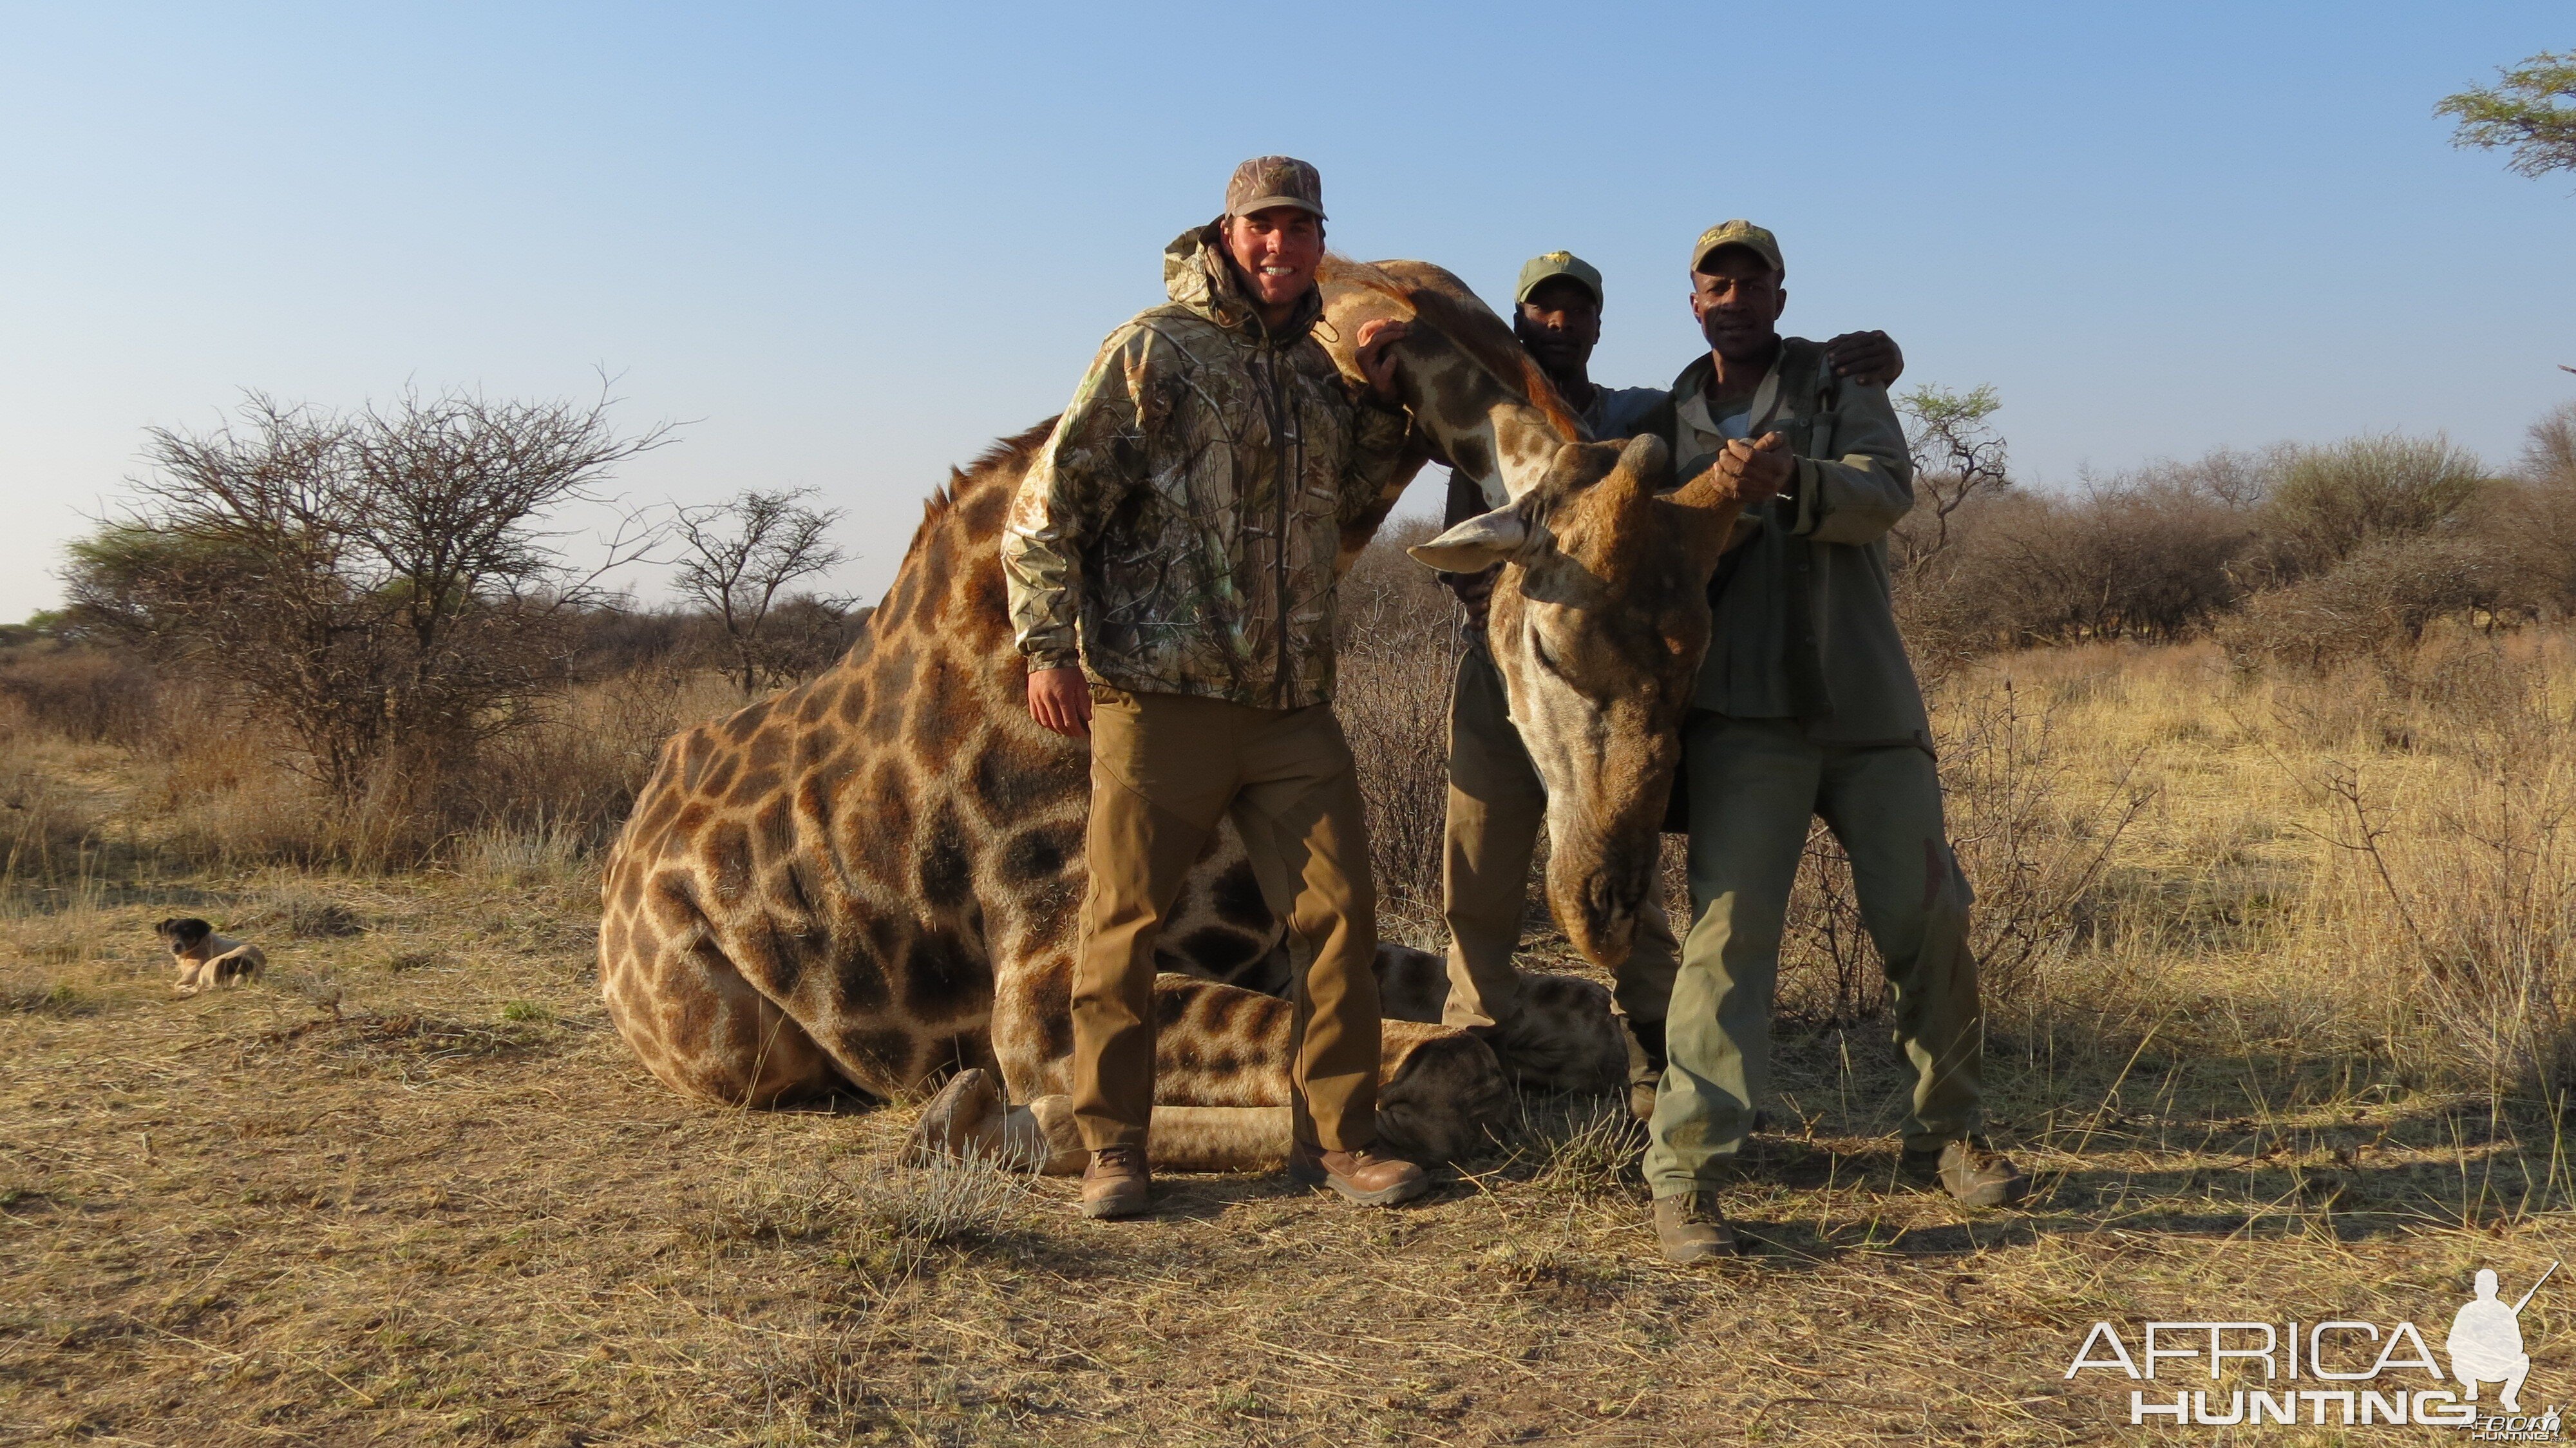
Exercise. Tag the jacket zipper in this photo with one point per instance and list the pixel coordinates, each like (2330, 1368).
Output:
(1279, 539)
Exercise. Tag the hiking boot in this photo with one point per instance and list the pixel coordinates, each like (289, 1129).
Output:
(1116, 1183)
(1970, 1171)
(1362, 1175)
(1690, 1228)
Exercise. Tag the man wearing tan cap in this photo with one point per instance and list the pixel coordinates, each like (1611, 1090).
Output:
(1804, 706)
(1496, 801)
(1170, 562)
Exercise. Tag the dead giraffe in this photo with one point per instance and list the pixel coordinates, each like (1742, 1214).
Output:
(873, 879)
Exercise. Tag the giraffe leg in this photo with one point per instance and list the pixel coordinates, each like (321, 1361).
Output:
(703, 1029)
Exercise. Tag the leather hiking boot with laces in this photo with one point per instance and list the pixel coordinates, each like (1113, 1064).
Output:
(1690, 1228)
(1970, 1171)
(1116, 1184)
(1362, 1175)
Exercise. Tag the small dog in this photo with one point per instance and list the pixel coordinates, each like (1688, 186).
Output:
(206, 958)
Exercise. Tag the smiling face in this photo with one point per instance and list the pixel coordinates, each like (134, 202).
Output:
(1276, 250)
(1599, 625)
(1738, 299)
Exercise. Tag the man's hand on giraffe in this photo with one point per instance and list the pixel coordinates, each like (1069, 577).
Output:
(1759, 469)
(1377, 336)
(1869, 358)
(1060, 700)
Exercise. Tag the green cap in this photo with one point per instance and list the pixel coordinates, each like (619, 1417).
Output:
(1739, 233)
(1267, 181)
(1557, 264)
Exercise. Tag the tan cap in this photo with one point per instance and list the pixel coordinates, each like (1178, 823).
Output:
(1739, 233)
(1267, 181)
(1551, 264)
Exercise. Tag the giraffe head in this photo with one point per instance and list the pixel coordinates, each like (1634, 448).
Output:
(1601, 619)
(1598, 623)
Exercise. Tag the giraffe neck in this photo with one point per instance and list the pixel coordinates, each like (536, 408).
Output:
(1473, 390)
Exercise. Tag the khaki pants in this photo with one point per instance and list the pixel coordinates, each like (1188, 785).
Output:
(1496, 807)
(1754, 784)
(1164, 769)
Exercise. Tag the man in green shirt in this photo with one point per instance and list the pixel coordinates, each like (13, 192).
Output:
(1806, 706)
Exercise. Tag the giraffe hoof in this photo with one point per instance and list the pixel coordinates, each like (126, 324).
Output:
(963, 1120)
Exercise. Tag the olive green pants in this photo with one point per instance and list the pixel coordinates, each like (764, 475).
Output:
(1753, 786)
(1164, 769)
(1497, 806)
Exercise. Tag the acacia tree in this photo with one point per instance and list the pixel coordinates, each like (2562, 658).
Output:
(379, 582)
(2530, 111)
(738, 558)
(1957, 455)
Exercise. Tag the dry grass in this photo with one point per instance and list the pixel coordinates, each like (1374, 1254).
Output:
(411, 1188)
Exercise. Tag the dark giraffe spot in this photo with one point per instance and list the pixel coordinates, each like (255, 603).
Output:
(945, 873)
(988, 609)
(966, 1048)
(942, 979)
(854, 701)
(935, 703)
(859, 986)
(720, 776)
(630, 888)
(981, 515)
(746, 722)
(754, 786)
(728, 852)
(1238, 898)
(1218, 952)
(818, 698)
(889, 1052)
(1225, 1063)
(937, 562)
(769, 748)
(893, 689)
(693, 818)
(651, 821)
(1038, 854)
(696, 748)
(1008, 776)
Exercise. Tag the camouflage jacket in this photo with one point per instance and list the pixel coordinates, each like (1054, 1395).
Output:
(1178, 532)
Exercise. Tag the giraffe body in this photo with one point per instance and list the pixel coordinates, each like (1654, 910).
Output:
(873, 880)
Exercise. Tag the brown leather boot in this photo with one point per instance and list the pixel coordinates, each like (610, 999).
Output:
(1362, 1175)
(1116, 1184)
(1690, 1228)
(1970, 1171)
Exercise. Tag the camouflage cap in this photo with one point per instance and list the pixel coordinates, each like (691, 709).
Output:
(1266, 181)
(1551, 264)
(1739, 233)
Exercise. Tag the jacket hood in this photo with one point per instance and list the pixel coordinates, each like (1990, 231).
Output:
(1197, 276)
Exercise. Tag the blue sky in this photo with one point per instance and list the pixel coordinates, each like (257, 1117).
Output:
(847, 245)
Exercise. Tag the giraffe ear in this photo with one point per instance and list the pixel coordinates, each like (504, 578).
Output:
(1477, 544)
(1708, 517)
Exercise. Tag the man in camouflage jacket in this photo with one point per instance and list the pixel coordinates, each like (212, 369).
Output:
(1171, 567)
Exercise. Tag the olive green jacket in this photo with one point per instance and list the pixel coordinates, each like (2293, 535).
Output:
(1178, 532)
(1806, 624)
